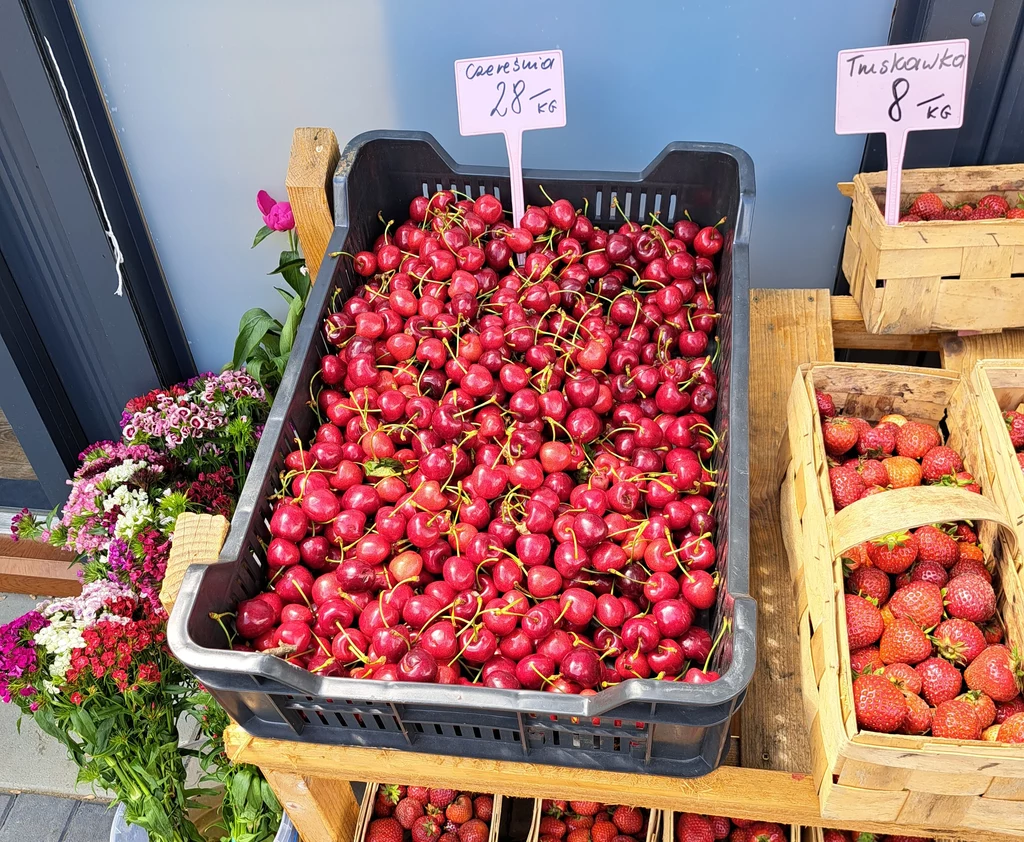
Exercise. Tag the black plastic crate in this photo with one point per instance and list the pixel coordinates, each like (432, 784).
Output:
(640, 725)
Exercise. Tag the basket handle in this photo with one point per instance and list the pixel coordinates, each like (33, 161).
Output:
(909, 508)
(846, 188)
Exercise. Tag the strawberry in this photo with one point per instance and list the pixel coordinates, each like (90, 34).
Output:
(407, 811)
(603, 831)
(840, 436)
(460, 811)
(972, 567)
(940, 680)
(939, 462)
(994, 202)
(742, 822)
(483, 807)
(388, 795)
(847, 486)
(980, 213)
(919, 715)
(970, 597)
(903, 472)
(693, 828)
(970, 551)
(579, 822)
(907, 217)
(826, 406)
(984, 707)
(554, 808)
(1015, 213)
(878, 703)
(897, 838)
(720, 826)
(1012, 730)
(474, 830)
(585, 808)
(865, 660)
(453, 836)
(927, 206)
(1020, 460)
(903, 676)
(877, 442)
(384, 830)
(936, 545)
(965, 533)
(427, 829)
(903, 642)
(915, 439)
(997, 672)
(863, 622)
(766, 832)
(870, 470)
(956, 720)
(550, 826)
(739, 834)
(420, 793)
(993, 631)
(857, 557)
(628, 819)
(958, 641)
(918, 601)
(869, 582)
(1004, 710)
(579, 834)
(442, 797)
(1015, 427)
(835, 835)
(961, 479)
(928, 571)
(893, 553)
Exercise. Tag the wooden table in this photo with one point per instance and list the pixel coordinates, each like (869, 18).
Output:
(772, 780)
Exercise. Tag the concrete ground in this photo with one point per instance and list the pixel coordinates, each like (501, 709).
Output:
(45, 818)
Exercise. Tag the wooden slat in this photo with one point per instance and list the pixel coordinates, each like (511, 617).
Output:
(787, 328)
(14, 463)
(848, 331)
(960, 353)
(310, 169)
(321, 809)
(29, 567)
(743, 793)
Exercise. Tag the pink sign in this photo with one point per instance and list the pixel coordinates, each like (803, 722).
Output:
(509, 95)
(899, 89)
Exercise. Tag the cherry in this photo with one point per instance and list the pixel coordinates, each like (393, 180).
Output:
(417, 665)
(254, 617)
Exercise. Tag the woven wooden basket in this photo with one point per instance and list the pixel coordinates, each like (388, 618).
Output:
(865, 776)
(922, 277)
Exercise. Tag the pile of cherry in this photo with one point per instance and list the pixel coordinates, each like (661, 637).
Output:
(927, 648)
(512, 483)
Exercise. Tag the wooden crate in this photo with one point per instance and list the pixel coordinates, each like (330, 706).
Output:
(860, 775)
(366, 814)
(817, 834)
(668, 822)
(653, 823)
(922, 277)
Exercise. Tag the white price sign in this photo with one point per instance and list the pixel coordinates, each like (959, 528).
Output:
(510, 95)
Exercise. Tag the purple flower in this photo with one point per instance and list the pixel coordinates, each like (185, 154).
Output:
(276, 215)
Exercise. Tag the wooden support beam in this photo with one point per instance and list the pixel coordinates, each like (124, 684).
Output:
(310, 170)
(848, 331)
(30, 567)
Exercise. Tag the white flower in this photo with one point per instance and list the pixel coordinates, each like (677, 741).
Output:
(120, 474)
(60, 639)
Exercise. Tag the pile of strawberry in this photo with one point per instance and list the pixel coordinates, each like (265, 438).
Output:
(1015, 427)
(588, 821)
(693, 827)
(895, 453)
(854, 836)
(928, 207)
(420, 814)
(920, 605)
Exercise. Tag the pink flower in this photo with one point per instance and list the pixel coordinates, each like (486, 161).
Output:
(276, 215)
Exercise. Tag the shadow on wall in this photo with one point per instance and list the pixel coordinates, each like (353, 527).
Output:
(205, 105)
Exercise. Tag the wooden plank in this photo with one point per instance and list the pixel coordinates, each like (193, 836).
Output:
(787, 328)
(14, 463)
(960, 353)
(322, 810)
(743, 793)
(848, 331)
(30, 567)
(314, 156)
(197, 540)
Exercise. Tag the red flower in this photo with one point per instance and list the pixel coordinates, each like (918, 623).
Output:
(76, 698)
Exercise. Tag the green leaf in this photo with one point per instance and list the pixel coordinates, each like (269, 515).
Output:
(240, 787)
(287, 296)
(291, 325)
(384, 467)
(290, 268)
(251, 329)
(261, 235)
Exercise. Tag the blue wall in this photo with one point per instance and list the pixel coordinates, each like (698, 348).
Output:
(205, 95)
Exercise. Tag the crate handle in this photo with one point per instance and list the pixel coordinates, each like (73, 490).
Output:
(909, 508)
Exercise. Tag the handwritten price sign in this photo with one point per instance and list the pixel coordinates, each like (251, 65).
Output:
(899, 89)
(510, 95)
